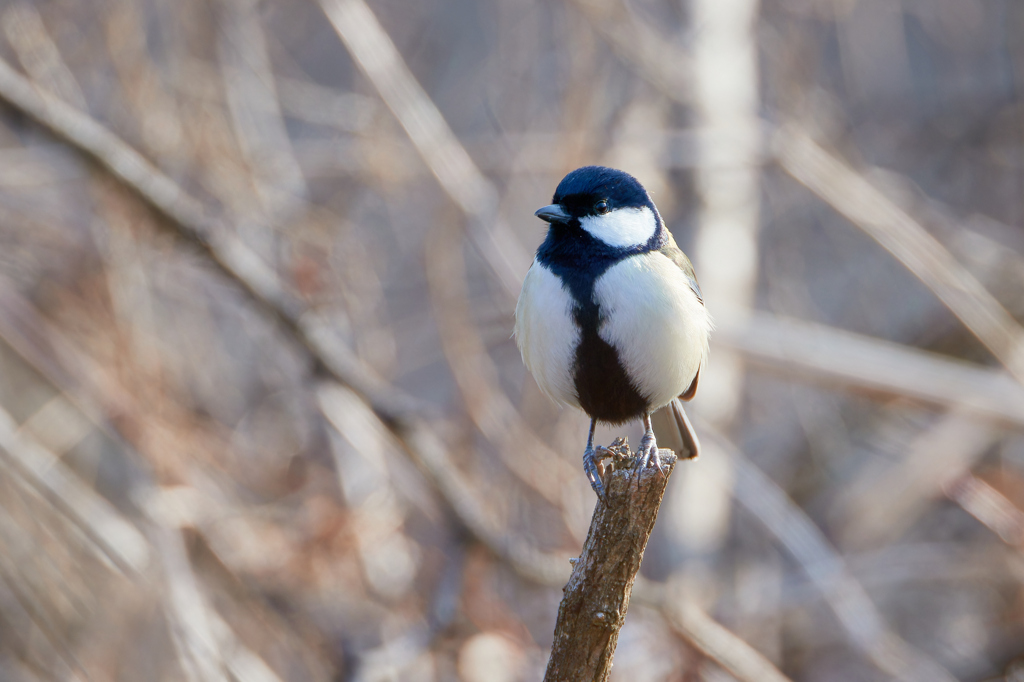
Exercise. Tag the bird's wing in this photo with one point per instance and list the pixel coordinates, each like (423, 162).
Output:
(676, 255)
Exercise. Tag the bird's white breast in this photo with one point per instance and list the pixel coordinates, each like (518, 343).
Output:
(652, 317)
(546, 333)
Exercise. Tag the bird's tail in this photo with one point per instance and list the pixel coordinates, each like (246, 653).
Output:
(673, 430)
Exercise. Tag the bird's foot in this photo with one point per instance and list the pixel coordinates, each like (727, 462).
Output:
(648, 453)
(594, 474)
(612, 458)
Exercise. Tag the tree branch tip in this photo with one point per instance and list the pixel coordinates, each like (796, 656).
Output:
(618, 461)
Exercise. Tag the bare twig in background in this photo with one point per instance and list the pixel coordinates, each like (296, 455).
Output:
(443, 153)
(803, 349)
(209, 646)
(190, 619)
(825, 568)
(38, 54)
(12, 578)
(379, 58)
(593, 609)
(710, 638)
(880, 507)
(326, 106)
(430, 454)
(188, 219)
(164, 124)
(869, 209)
(256, 111)
(209, 649)
(663, 63)
(155, 188)
(989, 506)
(119, 541)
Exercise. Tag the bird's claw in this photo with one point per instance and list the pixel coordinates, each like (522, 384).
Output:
(595, 467)
(590, 466)
(649, 453)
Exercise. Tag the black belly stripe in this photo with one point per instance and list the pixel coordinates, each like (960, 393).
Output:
(602, 385)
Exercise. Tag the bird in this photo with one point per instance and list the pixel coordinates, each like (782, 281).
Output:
(611, 319)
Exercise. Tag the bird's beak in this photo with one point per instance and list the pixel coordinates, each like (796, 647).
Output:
(553, 214)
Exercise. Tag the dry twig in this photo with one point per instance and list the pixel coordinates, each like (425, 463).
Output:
(821, 353)
(847, 191)
(887, 500)
(594, 606)
(376, 54)
(112, 537)
(825, 567)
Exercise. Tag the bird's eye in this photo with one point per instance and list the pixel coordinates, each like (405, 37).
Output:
(601, 207)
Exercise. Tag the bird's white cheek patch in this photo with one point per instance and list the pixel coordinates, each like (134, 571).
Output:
(622, 227)
(546, 333)
(655, 322)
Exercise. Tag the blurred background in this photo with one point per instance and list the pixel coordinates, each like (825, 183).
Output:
(304, 446)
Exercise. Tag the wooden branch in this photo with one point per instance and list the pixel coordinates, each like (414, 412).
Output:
(596, 598)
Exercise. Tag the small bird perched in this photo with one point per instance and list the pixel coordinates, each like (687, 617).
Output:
(610, 318)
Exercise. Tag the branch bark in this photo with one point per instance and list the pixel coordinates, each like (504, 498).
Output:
(597, 595)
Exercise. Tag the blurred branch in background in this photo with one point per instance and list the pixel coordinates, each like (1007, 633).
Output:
(289, 437)
(461, 179)
(832, 356)
(851, 604)
(256, 111)
(921, 253)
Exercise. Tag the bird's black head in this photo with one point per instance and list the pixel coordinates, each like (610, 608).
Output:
(581, 191)
(606, 205)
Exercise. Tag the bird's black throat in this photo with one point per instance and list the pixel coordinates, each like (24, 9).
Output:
(603, 388)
